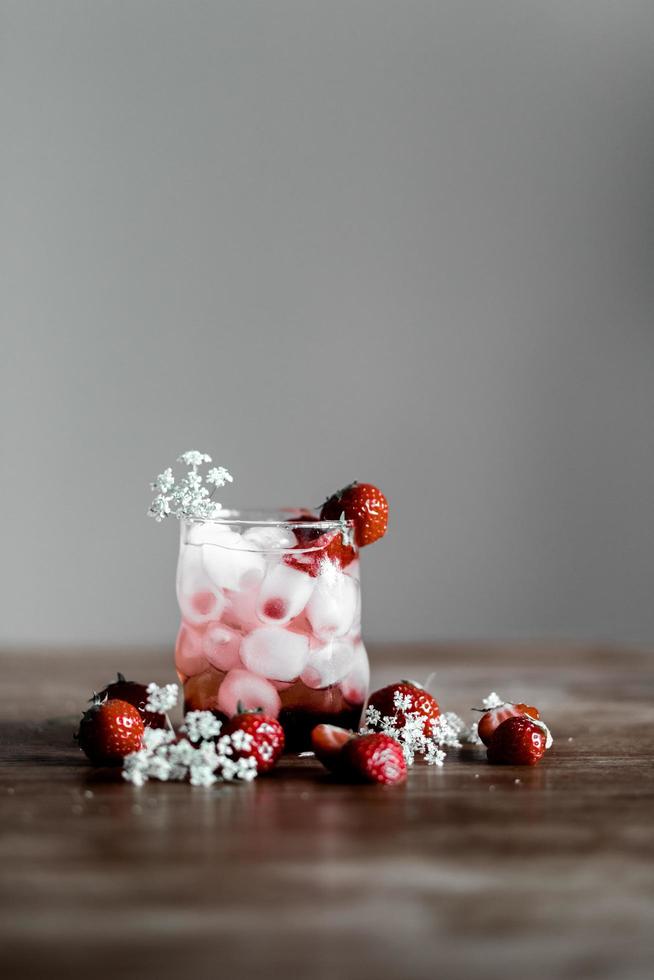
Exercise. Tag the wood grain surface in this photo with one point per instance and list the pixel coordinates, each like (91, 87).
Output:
(464, 872)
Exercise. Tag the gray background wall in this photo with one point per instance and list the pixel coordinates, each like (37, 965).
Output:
(407, 242)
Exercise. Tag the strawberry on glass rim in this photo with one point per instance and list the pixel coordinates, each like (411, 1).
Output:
(362, 503)
(311, 555)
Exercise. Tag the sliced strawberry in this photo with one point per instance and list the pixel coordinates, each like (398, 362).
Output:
(329, 547)
(327, 742)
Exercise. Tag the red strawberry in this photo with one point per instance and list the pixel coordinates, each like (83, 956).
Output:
(327, 742)
(136, 694)
(518, 741)
(267, 737)
(421, 702)
(363, 504)
(109, 731)
(494, 717)
(329, 547)
(374, 759)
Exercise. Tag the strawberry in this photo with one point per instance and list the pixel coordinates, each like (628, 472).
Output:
(494, 717)
(329, 547)
(518, 741)
(327, 742)
(373, 758)
(363, 504)
(267, 737)
(110, 730)
(421, 703)
(136, 694)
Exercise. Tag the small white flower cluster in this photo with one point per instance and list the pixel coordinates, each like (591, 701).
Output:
(161, 699)
(200, 725)
(493, 700)
(189, 497)
(203, 761)
(471, 736)
(204, 756)
(445, 730)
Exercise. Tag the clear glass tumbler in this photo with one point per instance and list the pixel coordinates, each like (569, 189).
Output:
(271, 618)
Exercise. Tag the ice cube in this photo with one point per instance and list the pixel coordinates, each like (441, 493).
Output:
(284, 594)
(270, 538)
(328, 663)
(353, 571)
(209, 532)
(189, 655)
(355, 685)
(227, 563)
(240, 687)
(198, 599)
(333, 603)
(275, 653)
(221, 645)
(240, 612)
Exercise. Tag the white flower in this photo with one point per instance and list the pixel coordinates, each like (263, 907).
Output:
(204, 757)
(434, 756)
(161, 699)
(135, 767)
(159, 766)
(193, 458)
(164, 481)
(471, 736)
(200, 725)
(219, 476)
(241, 740)
(373, 717)
(188, 497)
(492, 701)
(159, 508)
(402, 702)
(153, 738)
(445, 731)
(193, 481)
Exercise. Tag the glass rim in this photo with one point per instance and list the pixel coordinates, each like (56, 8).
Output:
(225, 517)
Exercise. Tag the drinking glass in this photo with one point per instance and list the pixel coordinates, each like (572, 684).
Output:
(270, 607)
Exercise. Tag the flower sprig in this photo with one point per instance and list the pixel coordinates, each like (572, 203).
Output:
(203, 757)
(446, 730)
(188, 497)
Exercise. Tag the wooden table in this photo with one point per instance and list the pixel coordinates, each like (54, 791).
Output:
(464, 872)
